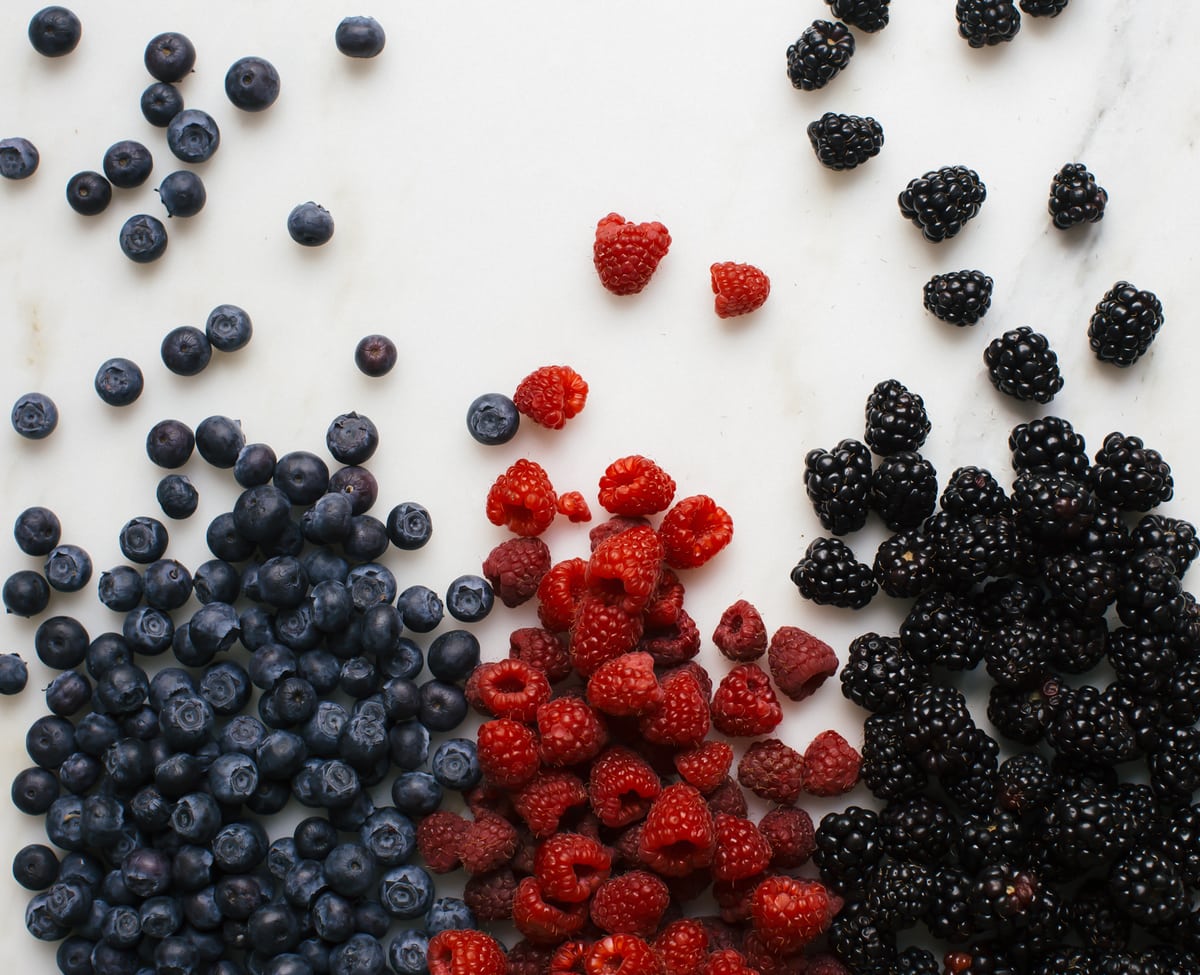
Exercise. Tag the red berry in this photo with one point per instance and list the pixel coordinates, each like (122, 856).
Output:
(682, 720)
(626, 254)
(823, 963)
(727, 798)
(625, 685)
(626, 567)
(526, 958)
(508, 752)
(632, 903)
(769, 962)
(683, 945)
(465, 952)
(790, 832)
(571, 866)
(740, 635)
(522, 499)
(551, 395)
(789, 913)
(744, 703)
(830, 765)
(733, 898)
(509, 688)
(545, 800)
(693, 531)
(541, 921)
(739, 288)
(574, 507)
(706, 765)
(727, 961)
(487, 844)
(515, 568)
(439, 838)
(621, 786)
(674, 642)
(772, 770)
(666, 604)
(602, 631)
(490, 895)
(799, 662)
(741, 850)
(559, 593)
(679, 836)
(571, 732)
(635, 485)
(622, 954)
(542, 650)
(568, 959)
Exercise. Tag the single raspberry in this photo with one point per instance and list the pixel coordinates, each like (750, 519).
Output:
(541, 921)
(625, 847)
(697, 670)
(830, 765)
(799, 662)
(508, 752)
(666, 604)
(522, 499)
(613, 526)
(625, 685)
(693, 530)
(789, 913)
(706, 765)
(632, 903)
(627, 254)
(683, 719)
(559, 593)
(543, 650)
(683, 946)
(509, 688)
(727, 798)
(773, 771)
(792, 836)
(740, 634)
(568, 958)
(571, 732)
(733, 898)
(635, 485)
(515, 567)
(679, 836)
(739, 288)
(625, 568)
(486, 796)
(526, 958)
(622, 954)
(551, 395)
(574, 507)
(602, 631)
(728, 961)
(487, 844)
(741, 851)
(571, 866)
(672, 643)
(439, 838)
(490, 895)
(621, 786)
(461, 951)
(744, 703)
(546, 800)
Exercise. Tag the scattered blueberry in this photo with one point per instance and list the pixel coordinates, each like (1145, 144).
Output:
(352, 438)
(170, 443)
(18, 158)
(302, 476)
(119, 382)
(367, 539)
(170, 56)
(68, 694)
(182, 193)
(68, 568)
(310, 224)
(143, 238)
(358, 484)
(160, 103)
(127, 164)
(449, 913)
(35, 867)
(177, 496)
(143, 540)
(26, 593)
(420, 608)
(185, 350)
(406, 953)
(252, 84)
(493, 419)
(88, 193)
(453, 655)
(228, 328)
(34, 416)
(443, 705)
(54, 31)
(120, 588)
(37, 530)
(409, 526)
(61, 642)
(455, 765)
(14, 674)
(375, 355)
(193, 136)
(255, 464)
(359, 37)
(168, 584)
(219, 439)
(469, 598)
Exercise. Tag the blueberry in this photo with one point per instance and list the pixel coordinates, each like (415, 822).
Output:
(302, 476)
(332, 915)
(406, 953)
(228, 328)
(170, 443)
(143, 540)
(406, 892)
(420, 608)
(310, 224)
(327, 520)
(315, 837)
(193, 136)
(34, 416)
(390, 836)
(143, 238)
(409, 526)
(226, 542)
(321, 669)
(78, 774)
(316, 953)
(95, 731)
(281, 754)
(168, 584)
(455, 764)
(416, 794)
(255, 462)
(469, 598)
(219, 439)
(375, 355)
(103, 815)
(367, 539)
(176, 956)
(350, 869)
(68, 694)
(261, 513)
(177, 496)
(447, 914)
(34, 790)
(26, 593)
(283, 582)
(443, 705)
(289, 541)
(196, 817)
(37, 530)
(54, 31)
(119, 382)
(74, 955)
(226, 687)
(453, 655)
(182, 193)
(216, 581)
(18, 158)
(123, 689)
(68, 568)
(359, 37)
(127, 164)
(360, 954)
(35, 866)
(88, 193)
(170, 56)
(148, 630)
(252, 84)
(295, 701)
(49, 740)
(14, 674)
(244, 733)
(150, 810)
(288, 963)
(185, 350)
(352, 438)
(160, 103)
(40, 923)
(370, 918)
(239, 846)
(160, 917)
(214, 628)
(61, 642)
(493, 419)
(114, 961)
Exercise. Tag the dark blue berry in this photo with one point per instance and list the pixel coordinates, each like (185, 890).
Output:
(68, 568)
(350, 869)
(226, 687)
(244, 733)
(68, 694)
(333, 915)
(26, 593)
(37, 530)
(18, 158)
(196, 818)
(360, 954)
(375, 355)
(356, 483)
(406, 892)
(493, 419)
(281, 754)
(34, 790)
(40, 923)
(321, 669)
(54, 31)
(143, 238)
(302, 476)
(127, 164)
(228, 328)
(193, 136)
(14, 674)
(359, 37)
(310, 224)
(282, 582)
(295, 701)
(367, 539)
(49, 740)
(409, 526)
(216, 581)
(95, 731)
(160, 917)
(416, 794)
(239, 846)
(226, 542)
(447, 914)
(327, 520)
(270, 664)
(420, 608)
(119, 382)
(170, 56)
(406, 953)
(160, 103)
(61, 642)
(219, 439)
(88, 193)
(389, 835)
(469, 598)
(143, 540)
(35, 866)
(177, 496)
(443, 705)
(176, 956)
(147, 872)
(182, 193)
(409, 745)
(185, 350)
(315, 837)
(78, 774)
(252, 84)
(358, 679)
(34, 416)
(168, 584)
(453, 655)
(352, 438)
(255, 464)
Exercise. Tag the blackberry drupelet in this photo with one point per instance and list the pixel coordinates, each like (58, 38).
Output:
(1021, 364)
(900, 893)
(848, 849)
(974, 491)
(951, 917)
(1148, 888)
(830, 575)
(818, 55)
(1052, 509)
(905, 564)
(861, 942)
(920, 830)
(1075, 197)
(1088, 728)
(1049, 443)
(1130, 475)
(879, 675)
(866, 15)
(887, 769)
(993, 837)
(986, 22)
(896, 419)
(1125, 322)
(1173, 538)
(942, 200)
(1017, 655)
(938, 729)
(959, 297)
(1085, 586)
(1044, 8)
(845, 141)
(838, 483)
(942, 628)
(1150, 596)
(904, 489)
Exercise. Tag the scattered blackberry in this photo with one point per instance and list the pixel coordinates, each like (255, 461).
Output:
(1095, 918)
(1180, 842)
(844, 141)
(1181, 694)
(1048, 444)
(971, 548)
(861, 942)
(838, 482)
(1052, 509)
(1075, 197)
(987, 22)
(879, 675)
(848, 848)
(1076, 646)
(1124, 324)
(951, 917)
(974, 491)
(1145, 714)
(937, 729)
(959, 297)
(917, 961)
(822, 51)
(1088, 828)
(1017, 655)
(1003, 896)
(1107, 537)
(1150, 595)
(866, 15)
(992, 837)
(1175, 765)
(1007, 598)
(943, 629)
(919, 829)
(829, 575)
(904, 489)
(1021, 364)
(896, 418)
(973, 789)
(1023, 715)
(1044, 8)
(900, 893)
(887, 769)
(1142, 662)
(941, 201)
(1148, 888)
(1085, 586)
(1066, 961)
(1130, 475)
(1087, 728)
(905, 564)
(1173, 538)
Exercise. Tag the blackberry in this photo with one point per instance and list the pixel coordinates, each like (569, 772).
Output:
(919, 829)
(974, 491)
(1175, 765)
(896, 418)
(1007, 598)
(951, 917)
(943, 629)
(899, 894)
(1124, 324)
(959, 297)
(1089, 828)
(1044, 8)
(1145, 714)
(887, 769)
(1087, 728)
(1181, 694)
(1017, 655)
(1052, 509)
(1003, 895)
(829, 575)
(838, 482)
(1107, 537)
(866, 15)
(1180, 842)
(1148, 887)
(904, 489)
(1045, 930)
(986, 958)
(1023, 715)
(1168, 960)
(1076, 646)
(1025, 783)
(1173, 538)
(971, 548)
(1021, 364)
(1130, 475)
(973, 788)
(861, 942)
(942, 200)
(1095, 918)
(848, 848)
(937, 729)
(1075, 197)
(1084, 586)
(918, 961)
(879, 675)
(1150, 598)
(986, 22)
(1066, 961)
(822, 51)
(1048, 444)
(905, 564)
(844, 141)
(992, 837)
(1143, 662)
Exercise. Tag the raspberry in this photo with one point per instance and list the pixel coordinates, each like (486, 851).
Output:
(542, 922)
(622, 954)
(625, 568)
(744, 703)
(830, 765)
(727, 961)
(739, 288)
(574, 507)
(515, 567)
(741, 851)
(559, 593)
(733, 898)
(522, 499)
(626, 254)
(490, 895)
(693, 531)
(486, 796)
(602, 631)
(674, 642)
(703, 679)
(551, 395)
(772, 770)
(544, 801)
(789, 913)
(625, 847)
(666, 604)
(632, 903)
(487, 844)
(613, 526)
(727, 798)
(571, 732)
(740, 634)
(571, 866)
(510, 688)
(625, 685)
(706, 765)
(526, 958)
(439, 837)
(679, 836)
(621, 786)
(635, 485)
(792, 836)
(542, 650)
(465, 952)
(799, 662)
(568, 959)
(508, 752)
(768, 962)
(683, 719)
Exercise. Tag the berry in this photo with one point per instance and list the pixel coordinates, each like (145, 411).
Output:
(1130, 475)
(508, 753)
(704, 766)
(161, 102)
(522, 499)
(625, 568)
(958, 297)
(310, 224)
(252, 84)
(625, 686)
(844, 141)
(571, 867)
(635, 485)
(375, 355)
(904, 489)
(683, 945)
(986, 22)
(1044, 8)
(127, 164)
(34, 416)
(789, 913)
(621, 786)
(830, 575)
(546, 800)
(626, 254)
(1124, 324)
(182, 193)
(838, 483)
(744, 703)
(1075, 197)
(458, 952)
(88, 193)
(1048, 444)
(741, 851)
(822, 51)
(54, 31)
(940, 202)
(487, 844)
(632, 903)
(848, 848)
(739, 288)
(143, 238)
(170, 56)
(623, 954)
(683, 718)
(542, 650)
(867, 15)
(560, 592)
(119, 382)
(693, 530)
(790, 833)
(679, 836)
(515, 567)
(551, 395)
(1021, 364)
(359, 37)
(905, 564)
(14, 674)
(772, 770)
(895, 419)
(601, 631)
(193, 136)
(740, 634)
(830, 765)
(570, 732)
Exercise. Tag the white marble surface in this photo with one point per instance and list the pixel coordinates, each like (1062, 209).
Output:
(466, 168)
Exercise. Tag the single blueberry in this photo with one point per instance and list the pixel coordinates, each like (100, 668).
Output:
(332, 915)
(315, 837)
(281, 755)
(18, 158)
(40, 923)
(469, 598)
(493, 419)
(78, 774)
(282, 855)
(176, 956)
(26, 593)
(35, 866)
(68, 568)
(95, 731)
(49, 740)
(322, 564)
(214, 628)
(367, 539)
(143, 238)
(150, 810)
(270, 664)
(160, 103)
(127, 164)
(295, 701)
(182, 193)
(160, 917)
(310, 224)
(226, 687)
(119, 382)
(74, 955)
(61, 642)
(193, 136)
(381, 629)
(226, 542)
(55, 31)
(327, 520)
(352, 438)
(148, 630)
(255, 462)
(359, 37)
(331, 606)
(14, 674)
(283, 582)
(37, 530)
(177, 496)
(34, 791)
(350, 869)
(416, 793)
(370, 918)
(239, 846)
(289, 541)
(360, 954)
(406, 892)
(103, 815)
(120, 588)
(252, 84)
(407, 951)
(147, 872)
(302, 476)
(170, 443)
(409, 526)
(216, 581)
(185, 350)
(323, 730)
(453, 655)
(219, 439)
(170, 56)
(34, 416)
(168, 584)
(448, 914)
(420, 608)
(88, 193)
(401, 699)
(375, 355)
(321, 669)
(455, 764)
(143, 540)
(168, 682)
(228, 328)
(68, 694)
(390, 836)
(443, 705)
(196, 818)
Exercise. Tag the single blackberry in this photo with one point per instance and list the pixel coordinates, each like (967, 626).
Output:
(942, 200)
(1048, 444)
(887, 769)
(838, 483)
(1095, 919)
(1052, 509)
(1175, 765)
(1044, 8)
(1076, 646)
(1143, 805)
(1145, 713)
(1180, 842)
(904, 489)
(974, 491)
(1002, 896)
(1007, 598)
(822, 51)
(1130, 475)
(1148, 887)
(844, 141)
(1124, 324)
(900, 893)
(1082, 585)
(993, 837)
(1107, 537)
(919, 829)
(861, 942)
(973, 788)
(1023, 715)
(1173, 538)
(986, 22)
(905, 564)
(959, 297)
(1150, 598)
(896, 418)
(951, 917)
(830, 575)
(1075, 197)
(974, 547)
(1180, 696)
(1089, 828)
(918, 961)
(866, 15)
(1142, 662)
(1087, 728)
(879, 675)
(1025, 783)
(1017, 655)
(848, 849)
(942, 628)
(1021, 364)
(937, 729)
